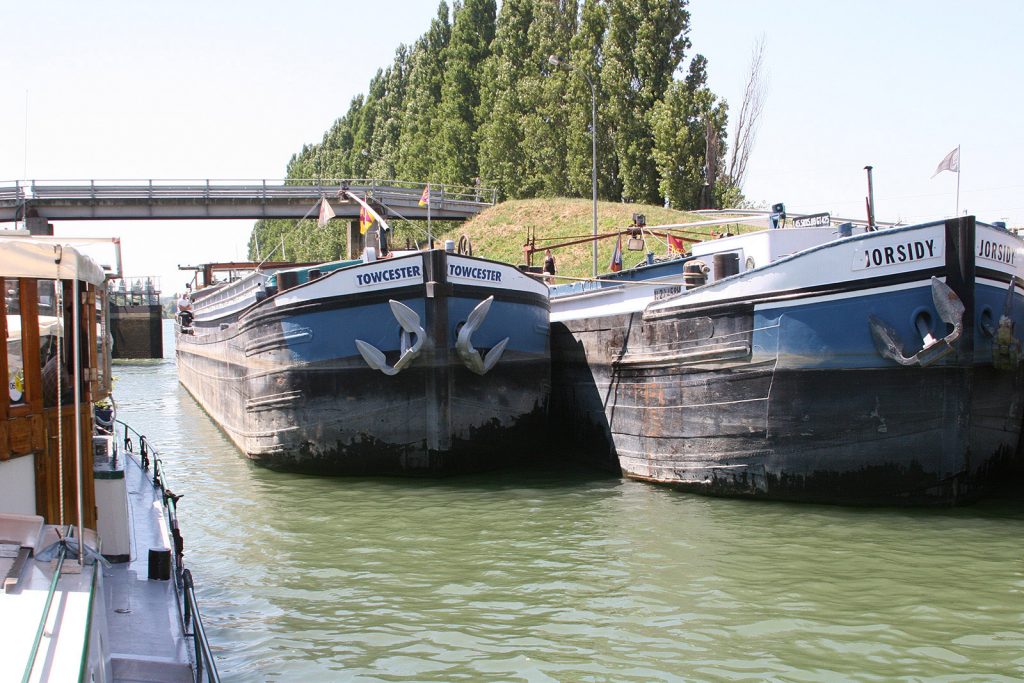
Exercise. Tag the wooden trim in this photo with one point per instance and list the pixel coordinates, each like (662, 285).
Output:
(30, 340)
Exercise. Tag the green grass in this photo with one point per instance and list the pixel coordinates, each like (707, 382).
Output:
(500, 232)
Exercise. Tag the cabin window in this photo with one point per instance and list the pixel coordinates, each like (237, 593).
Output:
(15, 352)
(103, 342)
(52, 337)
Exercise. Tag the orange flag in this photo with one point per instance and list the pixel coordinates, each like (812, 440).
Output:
(365, 220)
(676, 245)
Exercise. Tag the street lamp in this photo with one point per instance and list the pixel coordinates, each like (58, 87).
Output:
(554, 60)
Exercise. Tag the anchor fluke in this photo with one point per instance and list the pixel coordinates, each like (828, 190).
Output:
(950, 310)
(464, 343)
(412, 341)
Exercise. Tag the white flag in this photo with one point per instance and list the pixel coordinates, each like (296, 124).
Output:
(326, 212)
(950, 163)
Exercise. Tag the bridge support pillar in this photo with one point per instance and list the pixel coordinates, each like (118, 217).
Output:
(356, 241)
(39, 226)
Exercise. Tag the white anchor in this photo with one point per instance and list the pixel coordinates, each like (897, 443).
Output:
(410, 322)
(464, 344)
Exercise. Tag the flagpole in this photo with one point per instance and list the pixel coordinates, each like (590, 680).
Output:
(958, 163)
(430, 233)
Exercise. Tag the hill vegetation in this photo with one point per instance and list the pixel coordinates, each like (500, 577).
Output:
(500, 232)
(503, 100)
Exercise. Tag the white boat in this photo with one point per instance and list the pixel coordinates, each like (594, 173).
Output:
(123, 608)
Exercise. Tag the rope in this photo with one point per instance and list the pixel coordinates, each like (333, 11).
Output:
(58, 291)
(425, 233)
(297, 223)
(632, 283)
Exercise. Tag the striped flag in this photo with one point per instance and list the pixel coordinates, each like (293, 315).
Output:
(425, 197)
(616, 264)
(365, 220)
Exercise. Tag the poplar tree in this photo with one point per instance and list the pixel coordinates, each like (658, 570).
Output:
(645, 42)
(545, 121)
(472, 33)
(684, 152)
(337, 143)
(383, 150)
(417, 148)
(500, 135)
(363, 124)
(587, 57)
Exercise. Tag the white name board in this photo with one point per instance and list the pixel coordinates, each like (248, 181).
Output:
(388, 275)
(475, 272)
(880, 253)
(996, 250)
(817, 220)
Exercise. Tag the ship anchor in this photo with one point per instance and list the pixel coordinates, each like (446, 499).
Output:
(1006, 346)
(409, 320)
(950, 309)
(464, 344)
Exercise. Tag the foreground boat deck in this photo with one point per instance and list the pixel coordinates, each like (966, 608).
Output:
(147, 642)
(144, 633)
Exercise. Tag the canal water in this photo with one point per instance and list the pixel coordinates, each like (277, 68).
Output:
(563, 574)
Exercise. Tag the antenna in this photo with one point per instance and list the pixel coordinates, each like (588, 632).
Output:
(24, 170)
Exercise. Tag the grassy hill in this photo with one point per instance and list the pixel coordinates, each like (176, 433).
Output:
(500, 232)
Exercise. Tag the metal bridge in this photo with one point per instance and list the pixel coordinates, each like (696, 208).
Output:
(64, 200)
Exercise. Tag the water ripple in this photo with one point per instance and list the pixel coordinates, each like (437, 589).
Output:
(562, 574)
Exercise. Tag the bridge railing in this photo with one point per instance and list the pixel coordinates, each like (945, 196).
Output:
(17, 192)
(12, 193)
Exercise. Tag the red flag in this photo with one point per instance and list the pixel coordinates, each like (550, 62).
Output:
(676, 245)
(616, 264)
(425, 197)
(365, 220)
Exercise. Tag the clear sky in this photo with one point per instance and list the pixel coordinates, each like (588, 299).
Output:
(230, 90)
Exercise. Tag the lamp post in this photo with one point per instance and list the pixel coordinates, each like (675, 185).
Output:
(554, 60)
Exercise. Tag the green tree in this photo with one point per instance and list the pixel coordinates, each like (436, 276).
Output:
(501, 112)
(684, 151)
(363, 125)
(420, 125)
(546, 118)
(587, 58)
(645, 43)
(383, 149)
(472, 33)
(338, 141)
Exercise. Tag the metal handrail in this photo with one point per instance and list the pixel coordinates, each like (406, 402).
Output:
(46, 612)
(188, 605)
(199, 641)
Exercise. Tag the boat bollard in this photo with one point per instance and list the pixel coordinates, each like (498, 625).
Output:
(159, 564)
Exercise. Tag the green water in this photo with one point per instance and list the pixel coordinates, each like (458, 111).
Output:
(562, 574)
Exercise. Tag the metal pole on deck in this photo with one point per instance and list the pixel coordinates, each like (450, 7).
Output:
(77, 347)
(871, 200)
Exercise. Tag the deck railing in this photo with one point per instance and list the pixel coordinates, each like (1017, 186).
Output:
(188, 606)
